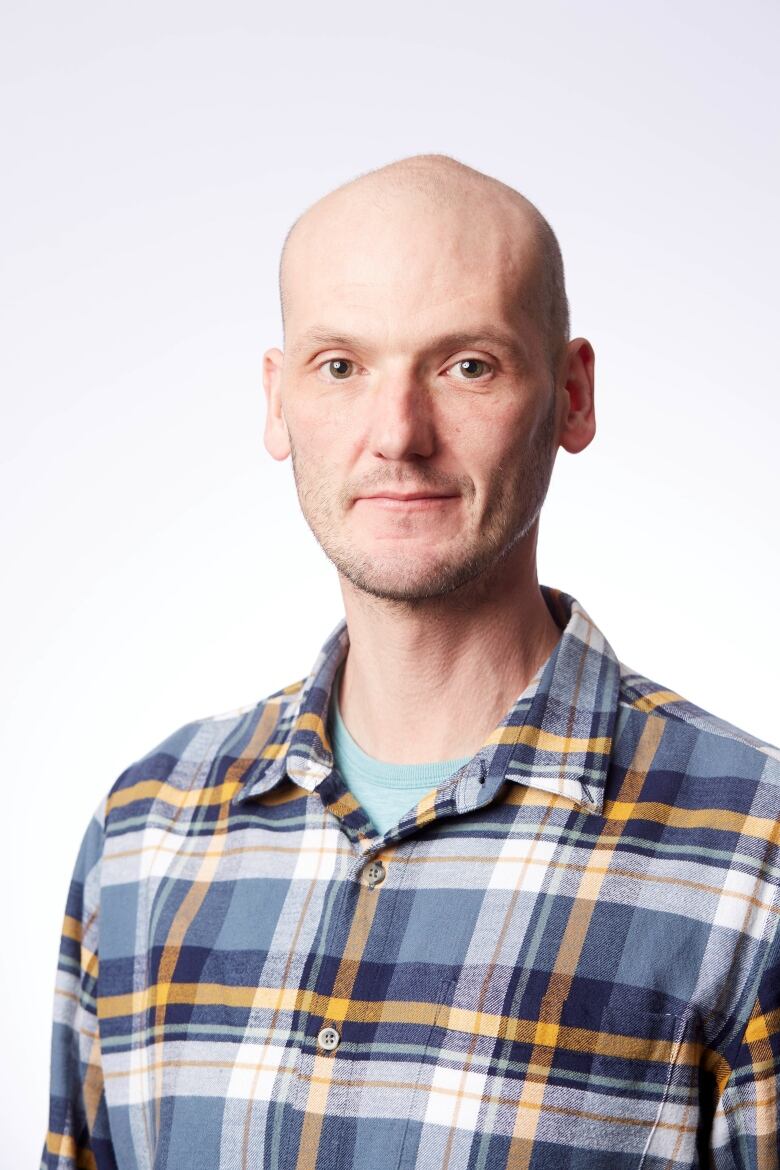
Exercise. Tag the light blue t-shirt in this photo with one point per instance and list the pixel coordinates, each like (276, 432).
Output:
(385, 791)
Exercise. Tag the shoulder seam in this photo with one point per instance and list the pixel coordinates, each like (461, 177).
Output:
(718, 726)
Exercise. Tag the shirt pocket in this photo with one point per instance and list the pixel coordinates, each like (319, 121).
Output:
(635, 1075)
(585, 1085)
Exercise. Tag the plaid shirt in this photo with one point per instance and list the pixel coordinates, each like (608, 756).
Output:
(565, 955)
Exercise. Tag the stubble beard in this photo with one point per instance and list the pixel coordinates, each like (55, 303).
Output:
(461, 575)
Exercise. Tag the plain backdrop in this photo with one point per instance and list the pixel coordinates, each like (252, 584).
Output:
(157, 568)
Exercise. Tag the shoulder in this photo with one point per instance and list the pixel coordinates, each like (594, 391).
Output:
(709, 743)
(204, 760)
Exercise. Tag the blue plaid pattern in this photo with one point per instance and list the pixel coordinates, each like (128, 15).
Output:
(565, 955)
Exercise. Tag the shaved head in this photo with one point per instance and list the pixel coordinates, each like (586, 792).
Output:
(443, 184)
(427, 355)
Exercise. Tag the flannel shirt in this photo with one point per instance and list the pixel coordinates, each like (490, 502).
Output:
(565, 955)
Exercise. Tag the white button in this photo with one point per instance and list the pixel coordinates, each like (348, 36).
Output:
(376, 874)
(328, 1038)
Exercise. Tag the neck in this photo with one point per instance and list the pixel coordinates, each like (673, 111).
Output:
(430, 682)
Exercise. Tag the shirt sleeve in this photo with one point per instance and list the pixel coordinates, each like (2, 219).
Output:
(744, 1133)
(78, 1134)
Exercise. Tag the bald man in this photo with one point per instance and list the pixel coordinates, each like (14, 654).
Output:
(473, 893)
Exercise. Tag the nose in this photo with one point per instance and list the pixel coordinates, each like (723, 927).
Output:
(401, 423)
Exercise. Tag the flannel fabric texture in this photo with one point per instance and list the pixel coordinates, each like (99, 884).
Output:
(566, 955)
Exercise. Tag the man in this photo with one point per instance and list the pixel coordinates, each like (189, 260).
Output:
(473, 893)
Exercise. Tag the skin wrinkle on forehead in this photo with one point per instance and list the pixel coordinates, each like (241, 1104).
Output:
(430, 300)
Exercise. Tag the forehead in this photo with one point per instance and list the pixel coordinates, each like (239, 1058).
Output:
(410, 263)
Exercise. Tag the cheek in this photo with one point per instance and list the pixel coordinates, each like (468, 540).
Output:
(485, 442)
(320, 459)
(315, 434)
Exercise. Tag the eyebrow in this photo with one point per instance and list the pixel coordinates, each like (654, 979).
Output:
(509, 342)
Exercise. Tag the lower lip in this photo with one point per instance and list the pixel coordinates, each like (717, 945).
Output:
(423, 504)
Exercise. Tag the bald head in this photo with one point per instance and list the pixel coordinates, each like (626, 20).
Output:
(445, 185)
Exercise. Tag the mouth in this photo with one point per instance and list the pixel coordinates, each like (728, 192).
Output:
(417, 500)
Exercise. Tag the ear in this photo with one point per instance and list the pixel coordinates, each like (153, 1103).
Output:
(578, 423)
(276, 436)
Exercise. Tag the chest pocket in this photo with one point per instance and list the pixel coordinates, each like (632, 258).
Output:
(600, 1087)
(636, 1077)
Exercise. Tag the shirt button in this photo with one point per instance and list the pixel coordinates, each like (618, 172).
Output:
(328, 1038)
(375, 874)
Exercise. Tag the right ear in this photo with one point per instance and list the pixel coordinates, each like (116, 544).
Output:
(276, 436)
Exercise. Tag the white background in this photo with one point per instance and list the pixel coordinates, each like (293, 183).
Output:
(157, 568)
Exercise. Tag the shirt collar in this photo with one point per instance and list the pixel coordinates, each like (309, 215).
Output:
(557, 735)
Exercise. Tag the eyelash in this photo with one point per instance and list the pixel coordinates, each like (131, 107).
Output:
(490, 367)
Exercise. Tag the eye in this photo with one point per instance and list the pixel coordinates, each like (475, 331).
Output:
(340, 374)
(467, 367)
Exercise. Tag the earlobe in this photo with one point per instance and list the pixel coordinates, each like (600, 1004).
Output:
(276, 438)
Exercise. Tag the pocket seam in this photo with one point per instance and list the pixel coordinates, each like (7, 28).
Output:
(679, 1033)
(442, 1002)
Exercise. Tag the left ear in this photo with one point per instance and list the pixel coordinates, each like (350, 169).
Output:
(578, 425)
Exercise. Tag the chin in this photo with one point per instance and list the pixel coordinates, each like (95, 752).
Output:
(410, 583)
